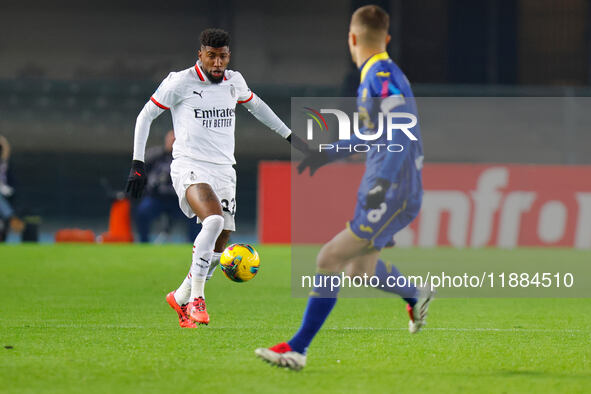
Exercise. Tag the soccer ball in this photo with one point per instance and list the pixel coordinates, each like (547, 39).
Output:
(240, 262)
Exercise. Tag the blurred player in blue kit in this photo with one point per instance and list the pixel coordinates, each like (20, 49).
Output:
(388, 199)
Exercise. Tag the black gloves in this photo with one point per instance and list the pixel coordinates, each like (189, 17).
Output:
(136, 182)
(377, 194)
(298, 143)
(314, 160)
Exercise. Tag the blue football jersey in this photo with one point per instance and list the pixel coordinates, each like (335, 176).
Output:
(382, 82)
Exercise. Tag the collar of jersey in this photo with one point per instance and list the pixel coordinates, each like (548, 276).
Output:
(371, 61)
(200, 73)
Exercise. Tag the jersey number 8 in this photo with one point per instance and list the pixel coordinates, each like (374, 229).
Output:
(375, 215)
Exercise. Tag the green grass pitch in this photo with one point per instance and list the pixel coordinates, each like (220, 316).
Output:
(92, 319)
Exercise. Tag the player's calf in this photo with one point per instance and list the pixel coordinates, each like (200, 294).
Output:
(338, 252)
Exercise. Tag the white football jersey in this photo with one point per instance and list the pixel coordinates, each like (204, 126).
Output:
(203, 113)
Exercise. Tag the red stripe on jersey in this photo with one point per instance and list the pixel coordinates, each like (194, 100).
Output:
(199, 73)
(247, 100)
(158, 104)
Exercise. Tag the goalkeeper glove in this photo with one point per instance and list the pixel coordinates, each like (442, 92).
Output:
(136, 182)
(314, 160)
(377, 194)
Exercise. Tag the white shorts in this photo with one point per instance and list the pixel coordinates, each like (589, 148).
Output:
(221, 178)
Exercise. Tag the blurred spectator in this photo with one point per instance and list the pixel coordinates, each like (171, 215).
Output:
(6, 191)
(160, 197)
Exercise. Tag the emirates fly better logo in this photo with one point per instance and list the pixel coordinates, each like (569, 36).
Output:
(388, 123)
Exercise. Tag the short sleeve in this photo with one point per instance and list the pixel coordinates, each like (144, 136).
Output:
(167, 93)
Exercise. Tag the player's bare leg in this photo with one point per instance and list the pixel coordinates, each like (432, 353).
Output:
(222, 241)
(206, 205)
(203, 201)
(336, 253)
(364, 264)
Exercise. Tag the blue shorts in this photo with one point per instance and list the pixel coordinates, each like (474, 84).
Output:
(379, 225)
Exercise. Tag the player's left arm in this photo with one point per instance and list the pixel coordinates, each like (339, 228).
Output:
(264, 114)
(260, 110)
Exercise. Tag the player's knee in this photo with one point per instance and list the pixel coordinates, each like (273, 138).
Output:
(213, 223)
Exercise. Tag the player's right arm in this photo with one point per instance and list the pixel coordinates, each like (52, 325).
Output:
(165, 96)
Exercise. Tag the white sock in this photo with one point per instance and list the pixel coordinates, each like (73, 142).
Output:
(197, 288)
(182, 294)
(203, 251)
(215, 260)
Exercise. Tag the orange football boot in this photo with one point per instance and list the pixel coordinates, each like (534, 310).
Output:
(184, 320)
(197, 311)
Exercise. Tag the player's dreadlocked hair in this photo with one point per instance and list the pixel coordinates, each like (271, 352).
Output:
(215, 38)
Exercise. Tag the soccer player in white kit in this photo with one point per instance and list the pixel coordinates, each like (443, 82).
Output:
(202, 100)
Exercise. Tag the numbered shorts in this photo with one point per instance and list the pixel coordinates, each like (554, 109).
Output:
(221, 178)
(380, 225)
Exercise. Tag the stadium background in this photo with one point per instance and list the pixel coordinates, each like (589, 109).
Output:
(74, 76)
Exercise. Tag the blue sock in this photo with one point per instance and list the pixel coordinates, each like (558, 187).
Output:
(320, 303)
(384, 270)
